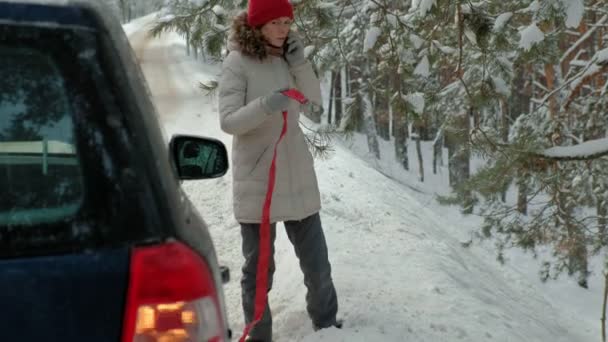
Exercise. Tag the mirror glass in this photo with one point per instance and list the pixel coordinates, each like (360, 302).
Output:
(200, 158)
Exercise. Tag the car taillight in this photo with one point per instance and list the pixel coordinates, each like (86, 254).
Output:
(171, 297)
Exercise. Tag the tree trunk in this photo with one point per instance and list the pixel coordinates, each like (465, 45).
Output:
(578, 258)
(602, 221)
(382, 117)
(522, 194)
(550, 78)
(344, 93)
(519, 103)
(187, 43)
(401, 135)
(420, 159)
(357, 109)
(347, 85)
(368, 111)
(459, 157)
(331, 97)
(575, 246)
(504, 118)
(338, 98)
(438, 151)
(400, 129)
(522, 105)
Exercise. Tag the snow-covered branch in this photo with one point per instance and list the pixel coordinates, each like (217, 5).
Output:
(584, 38)
(592, 149)
(597, 65)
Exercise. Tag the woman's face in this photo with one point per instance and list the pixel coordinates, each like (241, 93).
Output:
(275, 32)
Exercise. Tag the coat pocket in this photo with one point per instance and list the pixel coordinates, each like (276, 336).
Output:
(258, 160)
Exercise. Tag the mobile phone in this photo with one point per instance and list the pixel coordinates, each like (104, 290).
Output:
(285, 47)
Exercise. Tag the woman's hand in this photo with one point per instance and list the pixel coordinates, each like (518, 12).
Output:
(276, 102)
(295, 50)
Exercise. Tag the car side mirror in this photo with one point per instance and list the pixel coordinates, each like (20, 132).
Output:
(199, 158)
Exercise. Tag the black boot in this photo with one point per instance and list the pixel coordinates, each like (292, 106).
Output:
(338, 324)
(250, 339)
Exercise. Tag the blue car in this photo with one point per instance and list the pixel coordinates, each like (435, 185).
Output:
(98, 242)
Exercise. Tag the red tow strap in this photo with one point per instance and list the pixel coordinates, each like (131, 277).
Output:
(261, 281)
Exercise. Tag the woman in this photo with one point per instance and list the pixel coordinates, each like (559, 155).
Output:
(265, 58)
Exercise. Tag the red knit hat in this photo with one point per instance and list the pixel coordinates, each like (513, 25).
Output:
(262, 11)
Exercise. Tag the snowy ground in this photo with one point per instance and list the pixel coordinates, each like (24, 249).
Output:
(398, 263)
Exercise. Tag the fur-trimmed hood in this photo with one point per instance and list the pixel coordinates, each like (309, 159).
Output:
(246, 39)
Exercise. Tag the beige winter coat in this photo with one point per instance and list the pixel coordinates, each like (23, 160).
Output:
(247, 75)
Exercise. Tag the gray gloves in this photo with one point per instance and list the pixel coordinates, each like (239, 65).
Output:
(275, 102)
(295, 50)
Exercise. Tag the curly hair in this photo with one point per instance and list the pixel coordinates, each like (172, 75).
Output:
(248, 40)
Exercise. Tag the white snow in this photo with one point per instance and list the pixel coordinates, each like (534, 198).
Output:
(371, 38)
(585, 149)
(574, 12)
(393, 20)
(139, 24)
(417, 101)
(579, 63)
(309, 50)
(534, 7)
(398, 263)
(422, 6)
(448, 50)
(326, 5)
(602, 56)
(471, 36)
(219, 10)
(501, 21)
(530, 36)
(423, 68)
(501, 86)
(416, 40)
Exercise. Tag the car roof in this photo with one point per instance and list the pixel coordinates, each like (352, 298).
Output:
(104, 8)
(59, 2)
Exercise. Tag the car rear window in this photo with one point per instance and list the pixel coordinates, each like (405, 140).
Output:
(39, 166)
(71, 177)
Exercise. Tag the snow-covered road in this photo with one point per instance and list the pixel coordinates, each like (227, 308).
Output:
(400, 274)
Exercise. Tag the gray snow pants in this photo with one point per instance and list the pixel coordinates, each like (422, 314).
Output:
(309, 244)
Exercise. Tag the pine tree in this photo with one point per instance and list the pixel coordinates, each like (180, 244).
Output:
(204, 24)
(557, 194)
